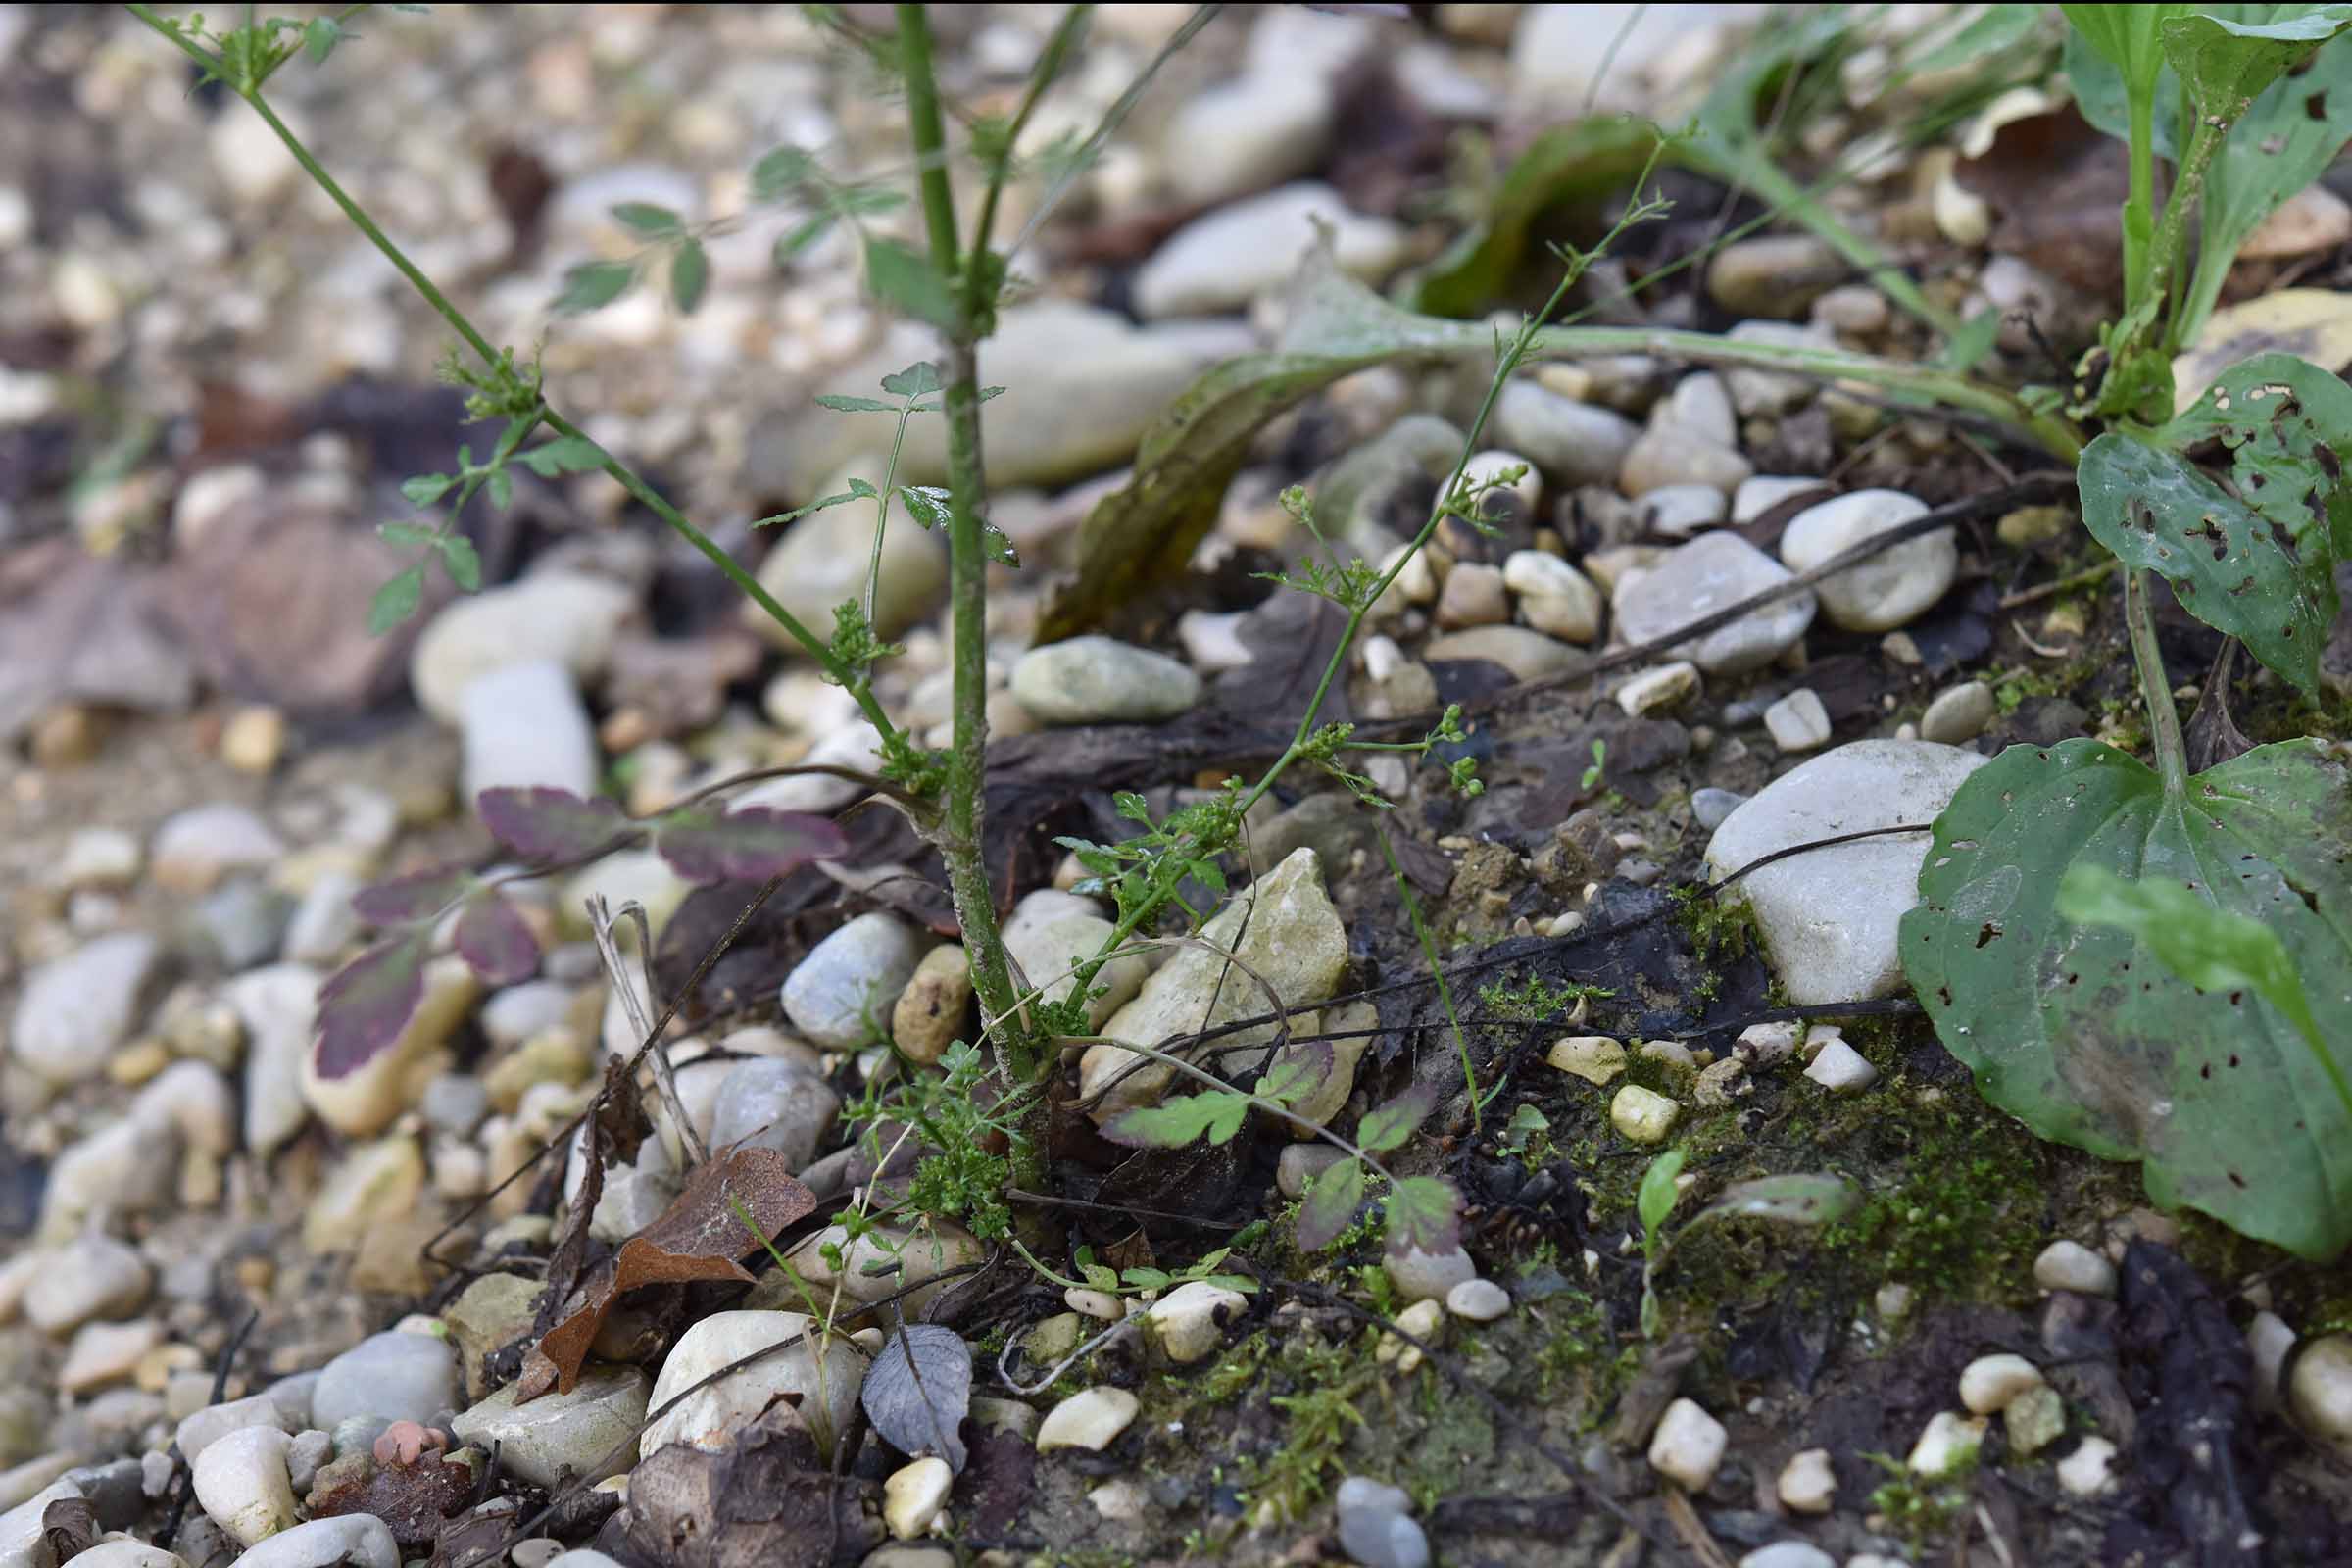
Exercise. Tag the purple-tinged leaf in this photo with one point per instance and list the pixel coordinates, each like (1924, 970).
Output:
(1424, 1212)
(365, 1004)
(415, 897)
(704, 844)
(1386, 1126)
(1174, 1123)
(495, 940)
(549, 825)
(1298, 1073)
(1331, 1205)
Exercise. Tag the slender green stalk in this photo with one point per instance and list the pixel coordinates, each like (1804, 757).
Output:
(962, 808)
(2163, 718)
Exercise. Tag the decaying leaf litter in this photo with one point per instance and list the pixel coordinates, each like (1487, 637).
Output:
(1783, 1383)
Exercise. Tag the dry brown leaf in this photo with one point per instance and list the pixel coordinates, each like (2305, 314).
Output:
(699, 1237)
(2311, 323)
(764, 1502)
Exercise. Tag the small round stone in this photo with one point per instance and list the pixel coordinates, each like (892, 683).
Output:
(1808, 1483)
(1989, 1383)
(915, 1494)
(2068, 1265)
(1595, 1058)
(1101, 680)
(1642, 1115)
(2319, 1391)
(1091, 1419)
(1688, 1445)
(1477, 1300)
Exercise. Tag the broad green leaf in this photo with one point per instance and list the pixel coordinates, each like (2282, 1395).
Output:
(461, 561)
(2211, 949)
(1526, 1121)
(1330, 1205)
(1424, 1212)
(424, 489)
(647, 220)
(570, 454)
(2259, 564)
(842, 404)
(1797, 1200)
(395, 600)
(779, 173)
(1302, 1068)
(913, 381)
(365, 1004)
(1386, 1126)
(1587, 161)
(2086, 1034)
(592, 285)
(1655, 1201)
(2225, 64)
(2101, 96)
(903, 279)
(2128, 38)
(689, 275)
(1147, 1279)
(545, 825)
(704, 844)
(1174, 1123)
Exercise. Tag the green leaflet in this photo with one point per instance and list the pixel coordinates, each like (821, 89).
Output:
(2088, 1036)
(2258, 565)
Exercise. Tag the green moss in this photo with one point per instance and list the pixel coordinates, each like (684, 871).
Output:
(1921, 1510)
(1720, 930)
(1322, 1385)
(1536, 1000)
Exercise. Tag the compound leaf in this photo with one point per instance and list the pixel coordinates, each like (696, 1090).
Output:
(2086, 1033)
(496, 940)
(903, 279)
(1302, 1070)
(646, 220)
(1174, 1123)
(1386, 1126)
(395, 600)
(1424, 1212)
(415, 897)
(704, 844)
(913, 381)
(549, 825)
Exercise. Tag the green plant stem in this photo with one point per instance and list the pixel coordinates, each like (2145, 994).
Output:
(959, 835)
(474, 341)
(2171, 230)
(2163, 718)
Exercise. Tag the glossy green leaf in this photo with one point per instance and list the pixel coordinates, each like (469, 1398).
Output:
(689, 275)
(1174, 1123)
(1330, 1205)
(647, 220)
(2259, 564)
(592, 285)
(1655, 1201)
(904, 280)
(395, 600)
(2088, 1036)
(926, 503)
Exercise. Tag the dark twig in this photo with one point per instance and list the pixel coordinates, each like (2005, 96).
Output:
(183, 1478)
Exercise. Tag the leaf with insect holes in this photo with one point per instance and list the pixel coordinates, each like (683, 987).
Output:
(1424, 1212)
(919, 1390)
(904, 280)
(1330, 1205)
(913, 381)
(545, 825)
(706, 844)
(591, 285)
(415, 897)
(1302, 1070)
(495, 940)
(646, 220)
(424, 489)
(1386, 1126)
(841, 403)
(689, 275)
(395, 600)
(570, 454)
(1806, 1199)
(363, 1007)
(1659, 1192)
(461, 561)
(1174, 1123)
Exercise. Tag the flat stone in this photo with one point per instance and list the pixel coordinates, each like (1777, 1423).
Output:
(74, 1010)
(1595, 1058)
(1798, 722)
(1574, 443)
(774, 1103)
(2068, 1265)
(1189, 1321)
(1774, 275)
(708, 1418)
(1829, 917)
(1101, 680)
(524, 726)
(1892, 588)
(1841, 1069)
(1702, 405)
(1707, 574)
(1657, 690)
(1243, 136)
(1420, 1275)
(1759, 495)
(1477, 1300)
(1090, 1419)
(915, 1494)
(822, 560)
(242, 1483)
(857, 972)
(196, 848)
(346, 1540)
(1789, 1554)
(1989, 1383)
(392, 1375)
(581, 1436)
(1808, 1483)
(929, 1014)
(1710, 806)
(91, 1276)
(1679, 511)
(1556, 599)
(1669, 453)
(1959, 716)
(1222, 260)
(1642, 1115)
(1528, 655)
(569, 617)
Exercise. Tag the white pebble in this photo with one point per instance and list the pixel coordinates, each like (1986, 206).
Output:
(1841, 1069)
(1808, 1483)
(2090, 1470)
(2068, 1265)
(1688, 1445)
(914, 1495)
(1948, 1441)
(1991, 1381)
(1641, 1115)
(1798, 722)
(1089, 1419)
(241, 1481)
(1477, 1300)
